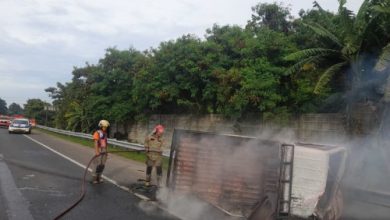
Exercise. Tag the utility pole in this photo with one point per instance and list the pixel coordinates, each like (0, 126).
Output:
(46, 109)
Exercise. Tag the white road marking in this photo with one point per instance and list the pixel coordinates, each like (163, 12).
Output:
(58, 153)
(89, 169)
(142, 197)
(48, 191)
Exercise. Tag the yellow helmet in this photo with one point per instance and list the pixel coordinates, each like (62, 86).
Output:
(104, 123)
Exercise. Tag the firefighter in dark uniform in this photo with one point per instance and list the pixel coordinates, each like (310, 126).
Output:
(153, 147)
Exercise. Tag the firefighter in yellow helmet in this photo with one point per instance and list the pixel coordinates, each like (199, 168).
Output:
(153, 147)
(100, 143)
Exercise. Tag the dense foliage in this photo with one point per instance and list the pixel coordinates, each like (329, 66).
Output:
(275, 67)
(39, 110)
(15, 109)
(3, 107)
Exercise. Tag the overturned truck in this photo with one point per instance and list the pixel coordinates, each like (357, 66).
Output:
(256, 179)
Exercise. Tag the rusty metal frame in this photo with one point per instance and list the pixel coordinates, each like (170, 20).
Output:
(269, 180)
(286, 165)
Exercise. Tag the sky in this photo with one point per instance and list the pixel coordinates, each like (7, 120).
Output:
(43, 40)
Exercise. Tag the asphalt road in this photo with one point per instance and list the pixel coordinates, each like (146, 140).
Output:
(36, 183)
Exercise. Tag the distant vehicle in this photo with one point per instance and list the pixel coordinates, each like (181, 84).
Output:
(5, 121)
(20, 125)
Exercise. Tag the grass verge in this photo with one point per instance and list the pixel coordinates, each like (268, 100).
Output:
(136, 156)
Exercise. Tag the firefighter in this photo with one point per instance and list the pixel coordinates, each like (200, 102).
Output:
(100, 143)
(153, 147)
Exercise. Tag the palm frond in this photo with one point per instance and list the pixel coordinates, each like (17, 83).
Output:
(346, 17)
(364, 22)
(384, 59)
(310, 52)
(325, 14)
(298, 66)
(368, 12)
(363, 11)
(381, 9)
(317, 5)
(365, 31)
(323, 32)
(342, 3)
(327, 76)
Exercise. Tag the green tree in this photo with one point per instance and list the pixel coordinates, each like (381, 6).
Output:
(98, 91)
(61, 96)
(383, 9)
(176, 77)
(14, 109)
(119, 68)
(234, 71)
(250, 70)
(274, 16)
(3, 107)
(35, 108)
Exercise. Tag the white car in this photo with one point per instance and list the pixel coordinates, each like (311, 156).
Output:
(20, 125)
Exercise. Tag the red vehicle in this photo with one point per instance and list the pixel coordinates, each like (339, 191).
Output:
(5, 121)
(18, 116)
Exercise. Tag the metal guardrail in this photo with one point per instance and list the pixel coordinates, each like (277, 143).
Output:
(112, 141)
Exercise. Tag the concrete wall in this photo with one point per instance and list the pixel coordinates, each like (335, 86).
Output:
(326, 128)
(210, 123)
(308, 128)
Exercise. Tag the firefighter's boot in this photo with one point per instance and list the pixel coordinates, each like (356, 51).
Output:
(99, 171)
(100, 179)
(95, 179)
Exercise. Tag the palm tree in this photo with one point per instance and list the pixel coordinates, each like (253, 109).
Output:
(353, 40)
(347, 41)
(76, 117)
(384, 60)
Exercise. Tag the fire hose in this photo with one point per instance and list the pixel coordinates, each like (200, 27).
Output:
(83, 188)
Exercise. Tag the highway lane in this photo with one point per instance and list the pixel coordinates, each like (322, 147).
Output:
(45, 183)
